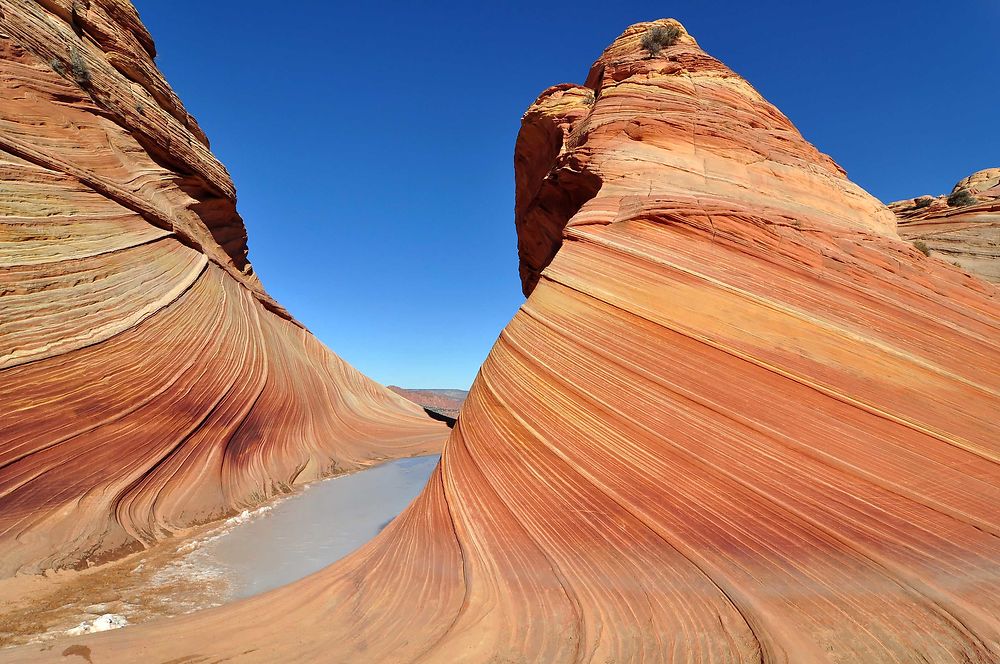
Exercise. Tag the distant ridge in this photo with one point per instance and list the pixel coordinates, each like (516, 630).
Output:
(444, 402)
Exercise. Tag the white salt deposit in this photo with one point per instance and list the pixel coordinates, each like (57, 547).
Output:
(102, 624)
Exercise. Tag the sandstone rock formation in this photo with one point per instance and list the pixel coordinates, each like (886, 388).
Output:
(147, 381)
(737, 420)
(962, 227)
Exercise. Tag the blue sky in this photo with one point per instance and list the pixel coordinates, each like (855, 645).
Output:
(372, 143)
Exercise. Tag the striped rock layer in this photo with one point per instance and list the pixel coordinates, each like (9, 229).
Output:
(736, 420)
(962, 227)
(147, 381)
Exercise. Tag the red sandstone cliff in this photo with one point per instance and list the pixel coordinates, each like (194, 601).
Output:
(962, 227)
(737, 420)
(147, 381)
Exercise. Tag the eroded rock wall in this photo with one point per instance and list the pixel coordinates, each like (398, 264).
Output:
(147, 380)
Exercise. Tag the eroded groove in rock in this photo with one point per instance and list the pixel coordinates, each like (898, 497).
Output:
(738, 419)
(147, 381)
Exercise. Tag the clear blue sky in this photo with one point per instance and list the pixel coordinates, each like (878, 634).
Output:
(372, 142)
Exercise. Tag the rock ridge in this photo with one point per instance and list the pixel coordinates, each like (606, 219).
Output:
(961, 227)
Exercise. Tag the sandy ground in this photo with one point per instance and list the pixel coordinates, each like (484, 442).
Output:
(168, 579)
(174, 577)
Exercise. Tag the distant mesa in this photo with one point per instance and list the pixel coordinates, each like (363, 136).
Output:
(961, 227)
(446, 403)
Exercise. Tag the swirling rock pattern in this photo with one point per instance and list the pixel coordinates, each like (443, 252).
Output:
(962, 227)
(737, 420)
(147, 381)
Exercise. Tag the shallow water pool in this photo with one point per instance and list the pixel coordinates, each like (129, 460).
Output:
(305, 533)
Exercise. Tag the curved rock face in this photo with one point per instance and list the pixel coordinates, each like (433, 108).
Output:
(147, 381)
(737, 420)
(962, 227)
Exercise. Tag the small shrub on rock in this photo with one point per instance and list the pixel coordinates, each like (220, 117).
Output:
(922, 202)
(922, 248)
(660, 37)
(78, 68)
(961, 198)
(57, 67)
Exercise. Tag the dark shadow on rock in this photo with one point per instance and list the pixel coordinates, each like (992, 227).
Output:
(434, 415)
